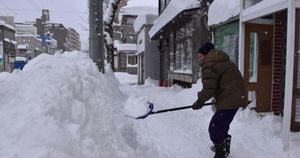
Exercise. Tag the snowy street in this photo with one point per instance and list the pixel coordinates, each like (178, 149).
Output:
(61, 106)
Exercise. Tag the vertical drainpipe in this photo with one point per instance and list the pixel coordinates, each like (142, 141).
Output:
(288, 95)
(241, 39)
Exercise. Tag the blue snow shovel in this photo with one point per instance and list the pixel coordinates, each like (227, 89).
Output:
(151, 107)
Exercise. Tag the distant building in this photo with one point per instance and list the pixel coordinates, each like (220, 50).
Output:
(67, 39)
(181, 31)
(7, 44)
(73, 40)
(126, 35)
(26, 37)
(147, 49)
(127, 58)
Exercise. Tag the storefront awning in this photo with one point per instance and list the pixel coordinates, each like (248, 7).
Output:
(263, 8)
(174, 8)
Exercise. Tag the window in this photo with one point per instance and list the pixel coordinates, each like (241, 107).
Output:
(132, 60)
(181, 59)
(253, 58)
(230, 46)
(172, 53)
(130, 20)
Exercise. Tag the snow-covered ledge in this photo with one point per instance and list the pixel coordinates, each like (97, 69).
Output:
(222, 10)
(174, 8)
(263, 8)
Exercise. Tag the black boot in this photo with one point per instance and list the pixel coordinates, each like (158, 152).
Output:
(227, 144)
(220, 150)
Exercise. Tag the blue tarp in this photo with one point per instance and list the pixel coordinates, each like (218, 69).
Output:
(19, 64)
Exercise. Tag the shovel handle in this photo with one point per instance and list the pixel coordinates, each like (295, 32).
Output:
(178, 108)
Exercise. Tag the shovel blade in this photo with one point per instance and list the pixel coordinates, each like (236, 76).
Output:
(149, 111)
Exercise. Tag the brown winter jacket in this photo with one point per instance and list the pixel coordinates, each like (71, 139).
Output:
(222, 80)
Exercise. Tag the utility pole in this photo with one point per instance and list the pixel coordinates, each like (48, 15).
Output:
(96, 43)
(45, 36)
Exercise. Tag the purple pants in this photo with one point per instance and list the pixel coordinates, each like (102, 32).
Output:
(219, 125)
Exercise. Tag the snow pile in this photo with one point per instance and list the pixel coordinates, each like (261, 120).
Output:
(60, 106)
(222, 10)
(173, 9)
(126, 46)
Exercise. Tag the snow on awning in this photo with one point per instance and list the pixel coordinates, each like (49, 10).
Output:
(263, 8)
(142, 20)
(222, 10)
(126, 47)
(136, 10)
(174, 8)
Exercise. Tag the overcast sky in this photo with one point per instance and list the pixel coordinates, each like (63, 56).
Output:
(71, 13)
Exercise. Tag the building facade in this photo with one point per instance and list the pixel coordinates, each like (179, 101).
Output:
(147, 49)
(126, 50)
(55, 36)
(26, 35)
(7, 44)
(73, 40)
(181, 31)
(268, 55)
(267, 45)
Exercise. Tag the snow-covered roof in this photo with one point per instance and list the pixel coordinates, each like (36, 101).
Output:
(143, 20)
(10, 41)
(263, 8)
(7, 25)
(153, 3)
(173, 9)
(126, 47)
(26, 35)
(137, 10)
(222, 10)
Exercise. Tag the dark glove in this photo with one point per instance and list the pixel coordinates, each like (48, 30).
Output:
(197, 104)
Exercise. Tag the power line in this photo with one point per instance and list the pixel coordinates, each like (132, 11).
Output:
(8, 7)
(35, 4)
(3, 18)
(55, 11)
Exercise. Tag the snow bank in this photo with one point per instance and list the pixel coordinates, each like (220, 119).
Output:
(60, 106)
